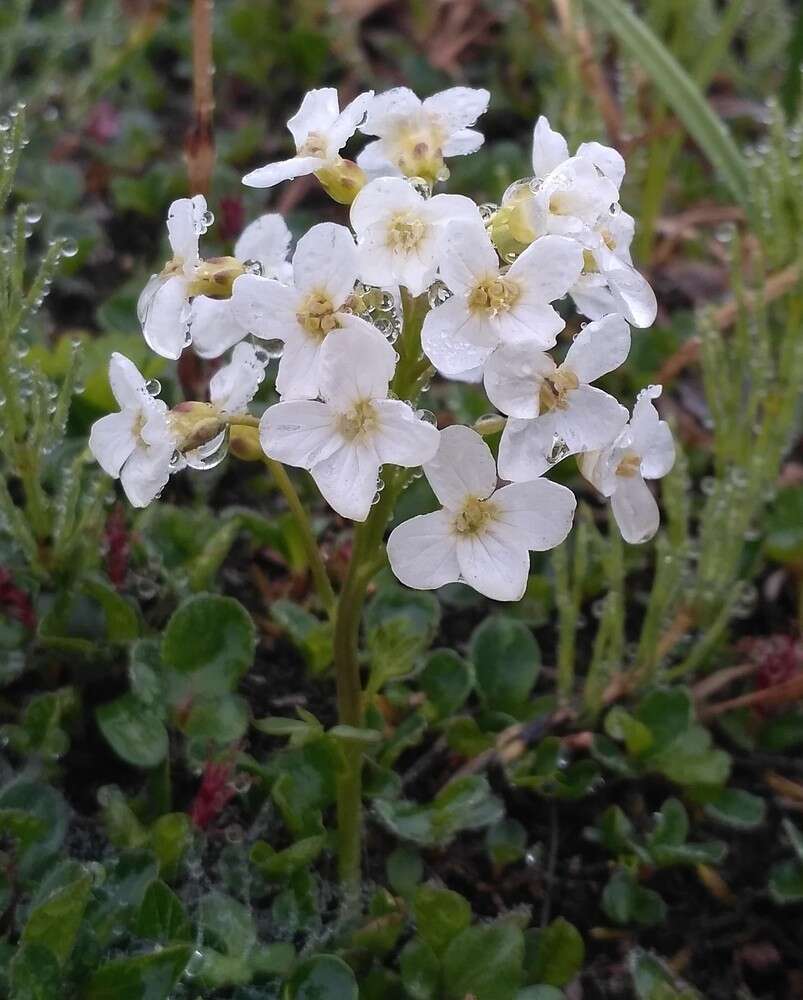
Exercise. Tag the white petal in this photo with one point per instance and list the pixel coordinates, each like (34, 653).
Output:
(650, 436)
(524, 447)
(423, 553)
(348, 479)
(374, 160)
(606, 159)
(452, 208)
(326, 261)
(530, 321)
(462, 467)
(357, 363)
(599, 468)
(549, 148)
(145, 475)
(345, 125)
(495, 562)
(282, 170)
(462, 142)
(264, 306)
(576, 190)
(592, 296)
(382, 198)
(165, 324)
(214, 326)
(387, 109)
(458, 107)
(454, 340)
(514, 374)
(548, 268)
(632, 293)
(234, 386)
(592, 419)
(403, 438)
(599, 348)
(127, 384)
(317, 113)
(635, 509)
(112, 440)
(267, 240)
(184, 223)
(300, 433)
(469, 256)
(299, 373)
(541, 512)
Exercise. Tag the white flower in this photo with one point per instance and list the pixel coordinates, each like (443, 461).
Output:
(136, 444)
(233, 387)
(320, 130)
(553, 409)
(301, 314)
(345, 439)
(164, 305)
(491, 306)
(213, 322)
(483, 535)
(609, 282)
(415, 135)
(643, 450)
(550, 151)
(400, 233)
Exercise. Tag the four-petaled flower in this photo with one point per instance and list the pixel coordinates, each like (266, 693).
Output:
(345, 439)
(643, 450)
(489, 305)
(416, 135)
(320, 130)
(483, 535)
(135, 444)
(554, 410)
(400, 233)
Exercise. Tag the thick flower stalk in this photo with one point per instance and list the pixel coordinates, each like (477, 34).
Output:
(410, 284)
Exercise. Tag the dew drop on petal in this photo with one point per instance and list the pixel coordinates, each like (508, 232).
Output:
(273, 348)
(488, 210)
(421, 185)
(558, 450)
(253, 267)
(427, 416)
(211, 454)
(153, 386)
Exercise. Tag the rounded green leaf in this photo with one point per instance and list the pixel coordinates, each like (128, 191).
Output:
(506, 660)
(133, 730)
(506, 841)
(446, 680)
(146, 977)
(420, 970)
(555, 954)
(440, 914)
(324, 977)
(484, 962)
(210, 640)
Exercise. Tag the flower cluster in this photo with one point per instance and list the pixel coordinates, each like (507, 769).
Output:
(363, 315)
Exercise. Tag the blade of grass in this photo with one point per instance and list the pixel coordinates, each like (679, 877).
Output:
(680, 92)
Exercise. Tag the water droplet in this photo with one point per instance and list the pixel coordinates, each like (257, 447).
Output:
(153, 386)
(33, 213)
(69, 248)
(51, 113)
(558, 451)
(211, 454)
(521, 186)
(421, 185)
(488, 211)
(253, 267)
(427, 416)
(274, 348)
(195, 964)
(5, 123)
(261, 356)
(438, 294)
(234, 833)
(386, 302)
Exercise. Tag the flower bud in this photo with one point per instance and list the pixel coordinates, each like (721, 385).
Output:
(244, 443)
(342, 180)
(510, 229)
(194, 424)
(215, 276)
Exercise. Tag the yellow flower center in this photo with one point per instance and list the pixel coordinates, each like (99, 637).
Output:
(317, 315)
(360, 421)
(554, 389)
(493, 296)
(417, 151)
(213, 277)
(560, 203)
(629, 466)
(405, 232)
(313, 145)
(474, 516)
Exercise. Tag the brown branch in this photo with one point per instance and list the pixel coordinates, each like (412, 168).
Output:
(778, 694)
(199, 145)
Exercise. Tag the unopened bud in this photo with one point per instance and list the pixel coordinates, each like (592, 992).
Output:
(194, 424)
(342, 180)
(244, 443)
(214, 277)
(510, 228)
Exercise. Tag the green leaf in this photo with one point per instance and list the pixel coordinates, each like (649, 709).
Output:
(784, 529)
(39, 841)
(324, 977)
(625, 901)
(667, 713)
(279, 864)
(484, 962)
(355, 734)
(312, 636)
(671, 825)
(220, 720)
(506, 842)
(420, 971)
(621, 725)
(652, 980)
(447, 681)
(555, 954)
(786, 882)
(276, 725)
(507, 660)
(209, 644)
(169, 838)
(680, 92)
(405, 870)
(540, 993)
(35, 974)
(122, 622)
(465, 737)
(133, 730)
(440, 915)
(228, 923)
(795, 837)
(161, 916)
(54, 922)
(736, 808)
(146, 977)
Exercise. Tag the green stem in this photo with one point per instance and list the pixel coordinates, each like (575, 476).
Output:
(316, 564)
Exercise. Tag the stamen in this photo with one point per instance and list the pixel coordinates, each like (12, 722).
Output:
(494, 295)
(474, 516)
(317, 315)
(361, 421)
